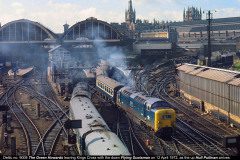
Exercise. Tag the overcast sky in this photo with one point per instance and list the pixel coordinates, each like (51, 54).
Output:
(54, 13)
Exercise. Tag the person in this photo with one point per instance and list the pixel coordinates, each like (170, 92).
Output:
(6, 138)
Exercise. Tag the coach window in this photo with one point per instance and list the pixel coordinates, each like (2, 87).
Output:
(148, 107)
(131, 103)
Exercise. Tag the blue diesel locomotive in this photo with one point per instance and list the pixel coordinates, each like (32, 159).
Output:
(152, 112)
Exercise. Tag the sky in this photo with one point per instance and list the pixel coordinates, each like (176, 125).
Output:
(54, 13)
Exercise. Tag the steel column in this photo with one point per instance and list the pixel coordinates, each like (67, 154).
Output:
(79, 26)
(73, 33)
(9, 32)
(111, 34)
(28, 30)
(15, 31)
(22, 30)
(98, 31)
(92, 29)
(41, 35)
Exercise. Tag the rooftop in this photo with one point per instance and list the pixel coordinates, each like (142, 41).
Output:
(220, 75)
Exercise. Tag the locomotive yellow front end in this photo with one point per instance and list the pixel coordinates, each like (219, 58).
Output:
(165, 122)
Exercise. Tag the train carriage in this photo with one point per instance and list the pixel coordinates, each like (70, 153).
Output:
(108, 86)
(95, 137)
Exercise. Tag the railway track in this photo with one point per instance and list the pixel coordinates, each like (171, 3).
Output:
(160, 146)
(9, 91)
(126, 132)
(35, 143)
(203, 144)
(123, 128)
(31, 132)
(186, 134)
(206, 145)
(52, 133)
(214, 131)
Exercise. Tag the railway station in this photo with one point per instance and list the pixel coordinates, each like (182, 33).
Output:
(87, 84)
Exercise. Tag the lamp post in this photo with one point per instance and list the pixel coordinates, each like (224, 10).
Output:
(209, 20)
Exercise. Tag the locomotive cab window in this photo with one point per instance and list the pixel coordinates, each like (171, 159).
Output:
(148, 107)
(166, 116)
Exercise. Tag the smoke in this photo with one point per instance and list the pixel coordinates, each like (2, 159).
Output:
(116, 58)
(24, 55)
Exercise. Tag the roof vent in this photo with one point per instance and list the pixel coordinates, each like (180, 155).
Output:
(197, 68)
(205, 69)
(88, 116)
(237, 76)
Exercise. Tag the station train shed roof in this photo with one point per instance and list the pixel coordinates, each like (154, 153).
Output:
(220, 75)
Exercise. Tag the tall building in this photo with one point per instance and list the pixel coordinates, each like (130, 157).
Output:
(130, 14)
(192, 14)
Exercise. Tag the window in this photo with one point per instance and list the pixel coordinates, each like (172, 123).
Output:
(131, 104)
(148, 107)
(167, 116)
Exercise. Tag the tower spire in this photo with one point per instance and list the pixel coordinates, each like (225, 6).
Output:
(130, 6)
(130, 14)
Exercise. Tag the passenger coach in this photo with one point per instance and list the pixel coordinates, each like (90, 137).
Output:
(108, 87)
